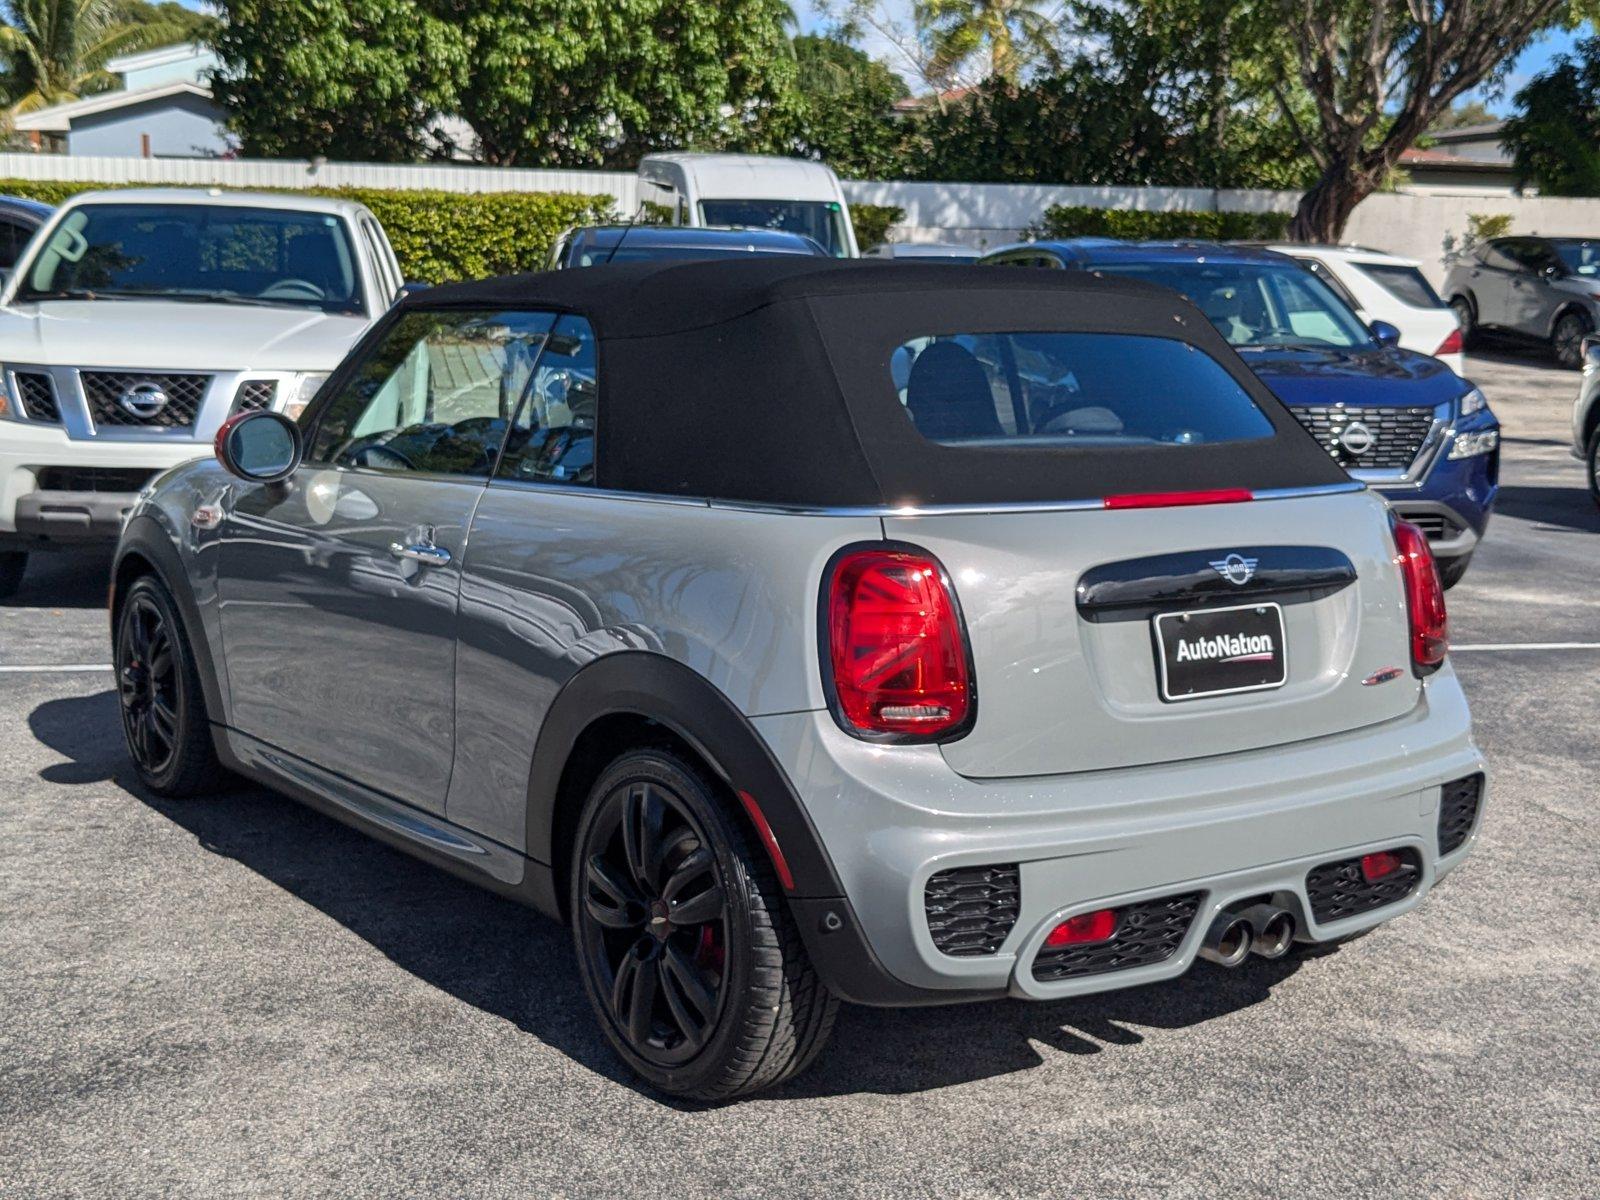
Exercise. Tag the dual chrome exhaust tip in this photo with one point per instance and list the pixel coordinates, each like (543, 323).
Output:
(1262, 929)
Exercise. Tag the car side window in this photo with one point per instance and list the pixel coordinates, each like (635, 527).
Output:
(13, 238)
(1325, 273)
(435, 395)
(552, 438)
(1495, 255)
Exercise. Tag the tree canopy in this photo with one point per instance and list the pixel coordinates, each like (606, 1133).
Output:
(1554, 137)
(56, 50)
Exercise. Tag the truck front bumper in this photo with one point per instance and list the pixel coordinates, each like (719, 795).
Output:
(57, 491)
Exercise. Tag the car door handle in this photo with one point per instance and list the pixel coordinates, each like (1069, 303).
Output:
(432, 556)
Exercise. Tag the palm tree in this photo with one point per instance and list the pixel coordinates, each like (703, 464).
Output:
(1013, 31)
(56, 50)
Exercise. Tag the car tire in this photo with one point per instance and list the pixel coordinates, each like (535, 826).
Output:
(13, 565)
(1467, 319)
(1451, 570)
(164, 718)
(710, 1008)
(1592, 461)
(1566, 339)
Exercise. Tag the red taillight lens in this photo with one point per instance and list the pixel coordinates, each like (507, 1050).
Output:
(1430, 628)
(1451, 343)
(1379, 866)
(896, 645)
(1095, 926)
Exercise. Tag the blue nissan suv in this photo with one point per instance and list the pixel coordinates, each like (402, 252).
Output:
(1402, 422)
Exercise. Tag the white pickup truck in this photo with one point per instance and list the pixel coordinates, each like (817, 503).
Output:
(138, 320)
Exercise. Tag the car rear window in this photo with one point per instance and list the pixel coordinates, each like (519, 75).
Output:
(1073, 389)
(1406, 284)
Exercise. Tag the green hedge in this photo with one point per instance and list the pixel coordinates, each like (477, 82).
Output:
(437, 236)
(1066, 221)
(871, 223)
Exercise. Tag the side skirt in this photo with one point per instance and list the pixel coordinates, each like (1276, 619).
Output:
(421, 834)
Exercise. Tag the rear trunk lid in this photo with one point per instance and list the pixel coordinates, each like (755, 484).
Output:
(1062, 609)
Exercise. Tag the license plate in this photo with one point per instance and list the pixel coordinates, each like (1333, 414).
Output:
(1221, 651)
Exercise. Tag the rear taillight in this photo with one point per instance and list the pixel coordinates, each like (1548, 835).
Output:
(1430, 628)
(1178, 499)
(896, 647)
(1450, 345)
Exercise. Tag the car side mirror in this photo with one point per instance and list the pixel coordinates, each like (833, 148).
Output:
(259, 447)
(1384, 333)
(411, 287)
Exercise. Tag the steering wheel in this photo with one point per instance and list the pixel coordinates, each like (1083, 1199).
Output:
(289, 289)
(382, 458)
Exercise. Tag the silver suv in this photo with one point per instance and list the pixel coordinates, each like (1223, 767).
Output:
(1547, 289)
(800, 631)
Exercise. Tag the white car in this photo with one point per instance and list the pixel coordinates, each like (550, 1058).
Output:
(1386, 287)
(137, 321)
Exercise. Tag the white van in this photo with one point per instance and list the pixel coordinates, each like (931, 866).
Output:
(751, 190)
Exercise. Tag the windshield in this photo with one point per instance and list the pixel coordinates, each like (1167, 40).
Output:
(201, 253)
(1579, 258)
(820, 220)
(1258, 304)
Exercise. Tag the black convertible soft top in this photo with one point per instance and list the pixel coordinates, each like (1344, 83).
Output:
(768, 380)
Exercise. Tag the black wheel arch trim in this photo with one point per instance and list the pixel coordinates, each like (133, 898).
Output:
(649, 685)
(660, 689)
(146, 537)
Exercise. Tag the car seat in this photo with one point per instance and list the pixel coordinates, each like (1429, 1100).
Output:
(948, 395)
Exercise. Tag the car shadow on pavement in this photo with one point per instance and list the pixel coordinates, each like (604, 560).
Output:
(512, 963)
(64, 579)
(1559, 508)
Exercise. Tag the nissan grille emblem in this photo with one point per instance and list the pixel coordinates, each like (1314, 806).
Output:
(1236, 569)
(142, 400)
(1356, 438)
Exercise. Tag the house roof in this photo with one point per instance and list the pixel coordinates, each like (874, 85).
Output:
(58, 118)
(159, 56)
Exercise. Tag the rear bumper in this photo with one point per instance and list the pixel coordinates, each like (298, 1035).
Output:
(1230, 827)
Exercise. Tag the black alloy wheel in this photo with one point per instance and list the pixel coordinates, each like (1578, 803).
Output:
(688, 952)
(655, 921)
(147, 680)
(1567, 338)
(163, 708)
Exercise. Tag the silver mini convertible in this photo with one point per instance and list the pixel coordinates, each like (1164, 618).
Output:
(800, 631)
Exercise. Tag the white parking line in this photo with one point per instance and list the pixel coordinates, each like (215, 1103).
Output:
(55, 669)
(1527, 646)
(74, 668)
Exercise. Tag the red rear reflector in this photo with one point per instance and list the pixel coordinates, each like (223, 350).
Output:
(896, 645)
(1451, 343)
(1095, 926)
(1430, 626)
(1178, 499)
(780, 864)
(1379, 866)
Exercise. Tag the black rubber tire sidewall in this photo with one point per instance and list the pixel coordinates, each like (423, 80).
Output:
(1452, 570)
(1592, 466)
(194, 768)
(1466, 317)
(743, 873)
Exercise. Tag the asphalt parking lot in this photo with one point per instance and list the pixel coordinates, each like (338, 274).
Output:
(238, 997)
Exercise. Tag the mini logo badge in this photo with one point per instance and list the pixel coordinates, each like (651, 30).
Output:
(1356, 438)
(1236, 569)
(143, 400)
